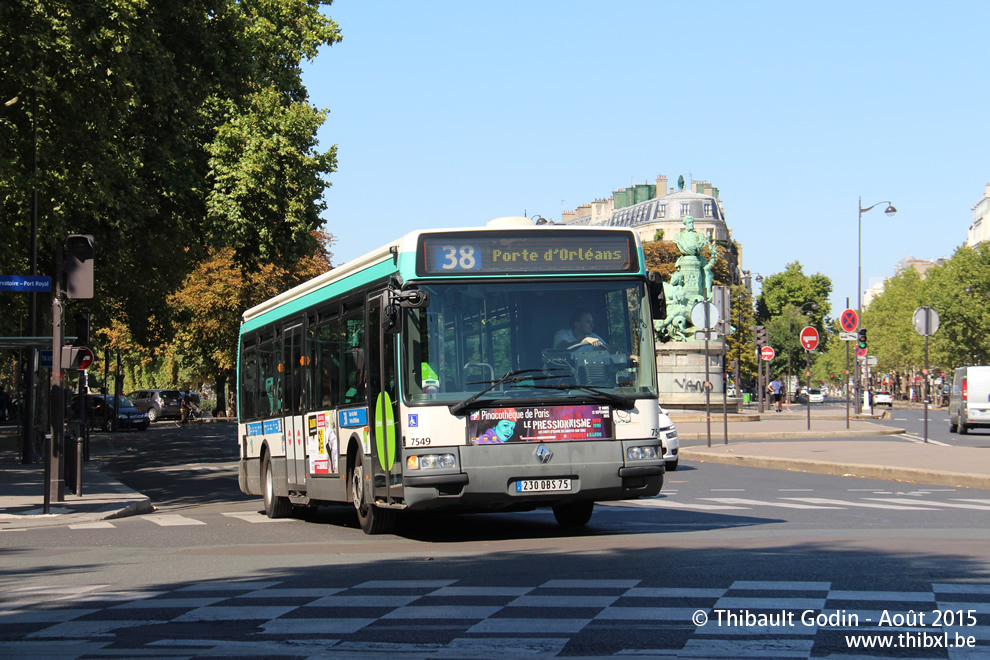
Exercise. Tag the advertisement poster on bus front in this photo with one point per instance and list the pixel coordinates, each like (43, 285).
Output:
(540, 424)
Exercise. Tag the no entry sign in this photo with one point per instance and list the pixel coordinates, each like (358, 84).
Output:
(767, 353)
(809, 338)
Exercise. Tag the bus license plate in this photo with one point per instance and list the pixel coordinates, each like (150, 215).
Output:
(542, 485)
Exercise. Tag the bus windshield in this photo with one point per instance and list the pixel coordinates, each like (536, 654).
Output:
(556, 340)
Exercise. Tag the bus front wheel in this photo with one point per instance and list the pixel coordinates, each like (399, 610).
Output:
(573, 514)
(275, 505)
(373, 519)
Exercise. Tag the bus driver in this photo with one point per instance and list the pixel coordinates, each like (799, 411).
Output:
(580, 332)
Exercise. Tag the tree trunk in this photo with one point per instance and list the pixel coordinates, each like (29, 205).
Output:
(219, 389)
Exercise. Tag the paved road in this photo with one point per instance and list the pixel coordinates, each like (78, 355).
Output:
(208, 575)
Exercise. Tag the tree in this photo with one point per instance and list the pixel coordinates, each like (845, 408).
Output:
(892, 338)
(793, 287)
(141, 107)
(209, 305)
(959, 290)
(740, 343)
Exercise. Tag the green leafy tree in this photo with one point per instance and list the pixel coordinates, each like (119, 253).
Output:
(784, 292)
(892, 338)
(740, 343)
(166, 130)
(959, 290)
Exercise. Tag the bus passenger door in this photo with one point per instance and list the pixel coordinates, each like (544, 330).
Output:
(386, 466)
(293, 370)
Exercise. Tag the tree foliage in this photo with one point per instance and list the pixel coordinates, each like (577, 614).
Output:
(959, 290)
(892, 338)
(168, 130)
(209, 305)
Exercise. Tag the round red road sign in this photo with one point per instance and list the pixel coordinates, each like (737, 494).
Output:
(809, 338)
(86, 358)
(767, 353)
(849, 320)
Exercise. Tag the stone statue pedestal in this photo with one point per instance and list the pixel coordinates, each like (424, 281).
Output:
(681, 375)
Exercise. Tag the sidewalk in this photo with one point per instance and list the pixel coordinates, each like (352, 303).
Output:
(782, 441)
(22, 487)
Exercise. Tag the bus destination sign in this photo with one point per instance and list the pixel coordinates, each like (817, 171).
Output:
(550, 251)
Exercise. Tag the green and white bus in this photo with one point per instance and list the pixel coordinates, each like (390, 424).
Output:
(438, 373)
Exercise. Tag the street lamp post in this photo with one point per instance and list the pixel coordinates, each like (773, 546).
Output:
(747, 277)
(890, 211)
(790, 318)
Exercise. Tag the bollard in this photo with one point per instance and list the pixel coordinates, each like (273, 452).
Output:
(79, 462)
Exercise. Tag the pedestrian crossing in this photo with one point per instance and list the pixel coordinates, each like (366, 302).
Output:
(460, 618)
(713, 502)
(787, 499)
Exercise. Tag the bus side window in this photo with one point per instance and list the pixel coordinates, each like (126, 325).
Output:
(267, 375)
(325, 350)
(248, 390)
(353, 373)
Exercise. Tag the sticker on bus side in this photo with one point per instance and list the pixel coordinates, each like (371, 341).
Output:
(385, 431)
(354, 418)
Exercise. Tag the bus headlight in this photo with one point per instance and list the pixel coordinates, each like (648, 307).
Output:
(645, 453)
(431, 461)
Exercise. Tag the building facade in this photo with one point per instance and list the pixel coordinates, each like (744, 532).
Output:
(655, 212)
(979, 230)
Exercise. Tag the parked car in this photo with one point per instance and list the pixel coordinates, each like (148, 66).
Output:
(969, 403)
(813, 393)
(671, 445)
(883, 399)
(101, 408)
(158, 403)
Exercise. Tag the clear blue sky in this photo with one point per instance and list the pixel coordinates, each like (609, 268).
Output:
(448, 113)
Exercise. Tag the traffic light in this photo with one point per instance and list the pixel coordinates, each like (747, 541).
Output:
(862, 338)
(78, 266)
(760, 333)
(82, 328)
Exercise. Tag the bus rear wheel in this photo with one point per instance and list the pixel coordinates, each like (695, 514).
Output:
(573, 514)
(275, 506)
(373, 519)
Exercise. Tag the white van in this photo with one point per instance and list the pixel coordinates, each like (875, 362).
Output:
(969, 402)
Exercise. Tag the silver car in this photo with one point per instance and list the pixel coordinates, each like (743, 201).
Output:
(157, 403)
(671, 445)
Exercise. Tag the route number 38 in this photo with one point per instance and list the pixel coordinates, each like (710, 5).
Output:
(458, 257)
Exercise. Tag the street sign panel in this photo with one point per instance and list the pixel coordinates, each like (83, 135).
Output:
(698, 315)
(809, 338)
(925, 321)
(848, 336)
(25, 283)
(767, 353)
(871, 360)
(849, 320)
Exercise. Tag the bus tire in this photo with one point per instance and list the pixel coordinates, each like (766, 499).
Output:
(373, 519)
(276, 506)
(573, 514)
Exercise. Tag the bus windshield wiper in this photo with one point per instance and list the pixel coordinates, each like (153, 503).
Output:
(621, 402)
(509, 377)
